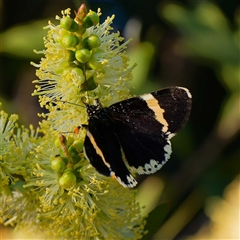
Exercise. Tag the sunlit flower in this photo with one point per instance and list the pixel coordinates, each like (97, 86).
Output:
(92, 207)
(81, 64)
(34, 199)
(16, 145)
(16, 151)
(56, 190)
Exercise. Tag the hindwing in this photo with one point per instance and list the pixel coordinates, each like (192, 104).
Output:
(135, 133)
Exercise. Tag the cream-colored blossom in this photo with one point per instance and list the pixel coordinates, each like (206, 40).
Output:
(15, 166)
(57, 192)
(96, 207)
(63, 79)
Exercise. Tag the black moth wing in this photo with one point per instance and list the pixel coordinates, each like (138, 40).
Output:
(135, 133)
(103, 150)
(145, 124)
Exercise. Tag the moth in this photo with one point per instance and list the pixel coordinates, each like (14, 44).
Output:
(133, 135)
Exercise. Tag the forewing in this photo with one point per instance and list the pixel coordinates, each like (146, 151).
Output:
(176, 103)
(103, 150)
(163, 112)
(145, 124)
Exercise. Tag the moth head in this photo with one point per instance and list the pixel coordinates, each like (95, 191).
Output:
(93, 109)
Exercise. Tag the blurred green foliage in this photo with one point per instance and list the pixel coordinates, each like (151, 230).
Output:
(194, 44)
(20, 40)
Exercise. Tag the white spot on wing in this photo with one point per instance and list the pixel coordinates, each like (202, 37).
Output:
(170, 135)
(147, 97)
(130, 179)
(168, 151)
(187, 91)
(153, 165)
(149, 168)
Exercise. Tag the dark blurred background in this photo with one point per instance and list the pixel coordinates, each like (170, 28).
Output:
(194, 44)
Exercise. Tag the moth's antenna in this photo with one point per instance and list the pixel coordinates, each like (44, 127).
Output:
(71, 103)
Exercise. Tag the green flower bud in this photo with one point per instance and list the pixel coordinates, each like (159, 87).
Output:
(74, 27)
(68, 170)
(69, 24)
(67, 180)
(95, 61)
(80, 76)
(78, 174)
(78, 145)
(83, 55)
(63, 32)
(93, 41)
(92, 19)
(66, 22)
(65, 159)
(69, 41)
(59, 36)
(74, 154)
(58, 165)
(77, 77)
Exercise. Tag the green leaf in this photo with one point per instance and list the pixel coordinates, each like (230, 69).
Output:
(206, 32)
(20, 40)
(155, 219)
(142, 55)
